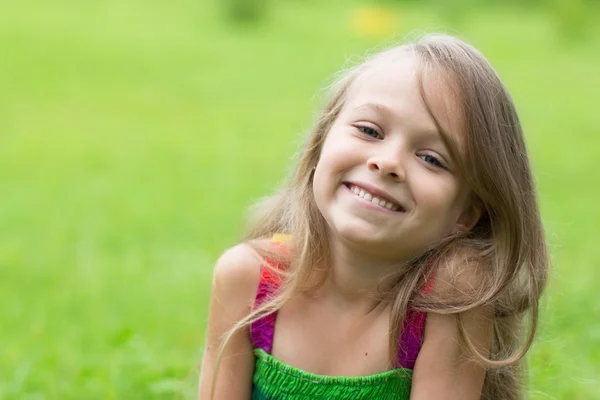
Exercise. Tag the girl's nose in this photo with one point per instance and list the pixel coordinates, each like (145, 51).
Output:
(387, 166)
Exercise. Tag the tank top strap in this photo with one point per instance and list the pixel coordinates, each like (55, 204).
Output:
(263, 329)
(413, 329)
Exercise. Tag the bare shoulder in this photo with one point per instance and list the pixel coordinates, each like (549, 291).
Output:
(446, 366)
(461, 275)
(235, 281)
(237, 272)
(461, 280)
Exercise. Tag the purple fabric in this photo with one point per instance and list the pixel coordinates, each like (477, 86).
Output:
(262, 330)
(411, 339)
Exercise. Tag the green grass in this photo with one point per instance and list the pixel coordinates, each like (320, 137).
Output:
(133, 135)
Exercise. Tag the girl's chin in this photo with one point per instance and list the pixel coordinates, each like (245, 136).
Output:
(377, 243)
(374, 244)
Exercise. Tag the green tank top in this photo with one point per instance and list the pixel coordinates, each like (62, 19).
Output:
(274, 380)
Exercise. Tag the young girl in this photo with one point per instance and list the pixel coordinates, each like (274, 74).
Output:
(402, 257)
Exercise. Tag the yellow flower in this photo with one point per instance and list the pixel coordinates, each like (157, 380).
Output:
(373, 21)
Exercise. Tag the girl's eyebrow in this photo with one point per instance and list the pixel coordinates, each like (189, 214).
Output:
(376, 106)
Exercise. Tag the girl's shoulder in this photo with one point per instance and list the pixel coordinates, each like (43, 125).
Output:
(236, 275)
(234, 286)
(461, 274)
(238, 269)
(237, 272)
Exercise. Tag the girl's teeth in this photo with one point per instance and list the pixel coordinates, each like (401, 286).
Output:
(375, 200)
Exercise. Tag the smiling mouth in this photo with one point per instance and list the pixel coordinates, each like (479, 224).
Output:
(375, 199)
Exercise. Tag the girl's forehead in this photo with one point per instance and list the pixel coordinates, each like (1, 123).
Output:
(387, 80)
(401, 87)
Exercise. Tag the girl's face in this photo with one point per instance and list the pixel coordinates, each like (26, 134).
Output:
(386, 182)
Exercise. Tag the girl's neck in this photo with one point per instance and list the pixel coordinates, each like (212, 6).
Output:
(355, 278)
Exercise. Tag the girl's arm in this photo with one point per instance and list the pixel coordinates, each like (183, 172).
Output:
(443, 369)
(234, 288)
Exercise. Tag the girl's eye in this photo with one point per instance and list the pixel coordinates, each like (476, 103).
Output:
(369, 131)
(432, 160)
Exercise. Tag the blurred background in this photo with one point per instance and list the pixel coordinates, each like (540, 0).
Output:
(134, 134)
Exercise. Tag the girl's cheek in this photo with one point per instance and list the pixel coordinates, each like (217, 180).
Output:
(339, 148)
(437, 191)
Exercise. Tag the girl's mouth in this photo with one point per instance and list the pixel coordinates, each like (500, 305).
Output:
(375, 199)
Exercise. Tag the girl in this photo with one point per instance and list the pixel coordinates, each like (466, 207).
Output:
(400, 260)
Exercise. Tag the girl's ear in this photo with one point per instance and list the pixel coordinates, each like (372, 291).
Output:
(470, 215)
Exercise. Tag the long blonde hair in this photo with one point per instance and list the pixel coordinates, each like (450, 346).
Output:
(507, 247)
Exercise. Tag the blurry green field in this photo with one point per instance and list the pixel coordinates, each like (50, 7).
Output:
(134, 134)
